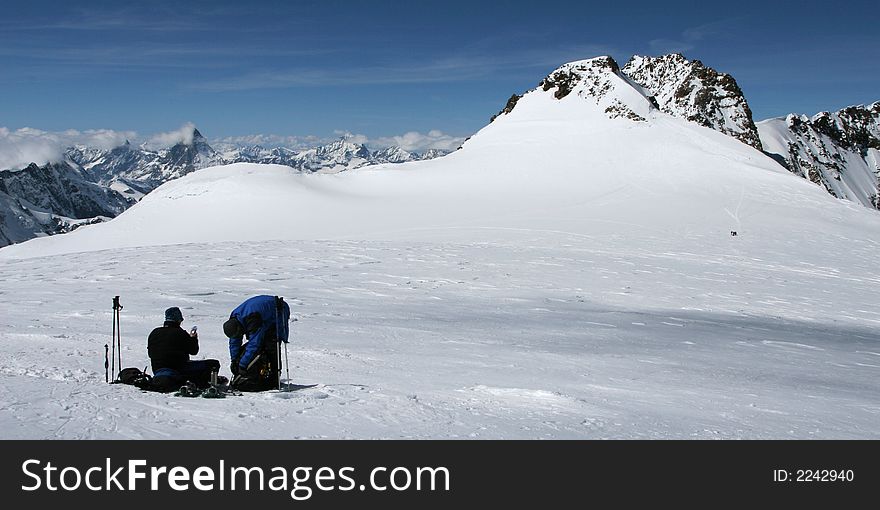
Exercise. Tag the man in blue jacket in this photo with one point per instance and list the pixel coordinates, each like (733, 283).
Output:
(263, 320)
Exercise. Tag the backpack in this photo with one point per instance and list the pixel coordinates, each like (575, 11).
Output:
(135, 377)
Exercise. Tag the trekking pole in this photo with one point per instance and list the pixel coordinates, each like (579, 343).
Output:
(278, 363)
(118, 332)
(286, 359)
(113, 341)
(278, 309)
(286, 364)
(106, 363)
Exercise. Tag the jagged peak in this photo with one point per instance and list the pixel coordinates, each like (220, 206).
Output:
(600, 62)
(691, 90)
(342, 144)
(343, 141)
(669, 58)
(188, 135)
(854, 128)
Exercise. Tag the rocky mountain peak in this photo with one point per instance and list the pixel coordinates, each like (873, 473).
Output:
(597, 80)
(590, 76)
(344, 147)
(690, 90)
(856, 128)
(393, 155)
(839, 151)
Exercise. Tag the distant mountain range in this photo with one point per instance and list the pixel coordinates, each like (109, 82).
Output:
(92, 185)
(839, 151)
(136, 171)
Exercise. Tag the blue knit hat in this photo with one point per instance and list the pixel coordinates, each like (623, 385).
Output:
(173, 315)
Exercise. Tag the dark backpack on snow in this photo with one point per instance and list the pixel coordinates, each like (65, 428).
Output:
(135, 377)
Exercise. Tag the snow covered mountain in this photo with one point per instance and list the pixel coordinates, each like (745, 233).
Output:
(426, 155)
(599, 80)
(256, 153)
(336, 156)
(52, 199)
(138, 170)
(690, 90)
(568, 273)
(839, 151)
(395, 155)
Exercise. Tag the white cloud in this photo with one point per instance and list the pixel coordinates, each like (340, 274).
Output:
(182, 135)
(106, 138)
(353, 138)
(22, 147)
(413, 141)
(26, 145)
(264, 140)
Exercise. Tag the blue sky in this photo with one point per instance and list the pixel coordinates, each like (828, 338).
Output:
(380, 69)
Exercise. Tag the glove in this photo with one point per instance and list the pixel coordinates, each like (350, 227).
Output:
(233, 367)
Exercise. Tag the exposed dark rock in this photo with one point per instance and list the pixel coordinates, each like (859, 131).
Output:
(511, 103)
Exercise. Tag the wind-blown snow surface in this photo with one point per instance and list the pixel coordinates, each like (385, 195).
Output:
(564, 275)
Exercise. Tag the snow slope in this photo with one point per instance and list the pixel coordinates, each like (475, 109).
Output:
(569, 273)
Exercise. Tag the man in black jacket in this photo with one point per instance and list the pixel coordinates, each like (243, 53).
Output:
(169, 348)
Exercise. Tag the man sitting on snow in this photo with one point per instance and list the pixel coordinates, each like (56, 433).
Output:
(169, 348)
(256, 364)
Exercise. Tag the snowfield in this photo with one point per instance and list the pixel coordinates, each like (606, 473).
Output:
(563, 275)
